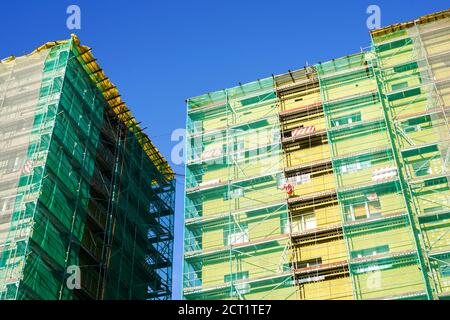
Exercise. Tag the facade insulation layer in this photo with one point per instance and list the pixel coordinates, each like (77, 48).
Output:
(328, 182)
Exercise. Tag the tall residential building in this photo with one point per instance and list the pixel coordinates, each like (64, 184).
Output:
(328, 182)
(86, 199)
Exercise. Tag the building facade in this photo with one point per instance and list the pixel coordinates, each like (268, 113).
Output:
(329, 182)
(86, 199)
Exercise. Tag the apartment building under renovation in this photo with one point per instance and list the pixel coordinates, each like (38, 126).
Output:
(328, 182)
(86, 200)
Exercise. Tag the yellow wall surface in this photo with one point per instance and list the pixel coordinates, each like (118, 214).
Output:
(256, 111)
(363, 176)
(389, 277)
(258, 165)
(255, 195)
(409, 79)
(398, 239)
(304, 154)
(345, 89)
(397, 56)
(208, 121)
(437, 235)
(286, 291)
(368, 111)
(437, 196)
(259, 228)
(409, 106)
(300, 99)
(429, 132)
(388, 203)
(437, 41)
(392, 203)
(339, 288)
(259, 162)
(237, 113)
(325, 215)
(393, 281)
(216, 172)
(442, 281)
(316, 120)
(320, 181)
(329, 250)
(263, 262)
(359, 141)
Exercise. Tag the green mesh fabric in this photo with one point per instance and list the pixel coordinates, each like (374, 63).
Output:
(93, 200)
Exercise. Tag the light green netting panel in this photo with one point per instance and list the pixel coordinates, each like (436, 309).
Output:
(414, 80)
(236, 211)
(25, 130)
(373, 209)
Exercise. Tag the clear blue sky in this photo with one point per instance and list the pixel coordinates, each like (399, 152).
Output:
(159, 53)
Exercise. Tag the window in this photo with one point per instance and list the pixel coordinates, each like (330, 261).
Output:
(16, 164)
(191, 278)
(370, 251)
(400, 85)
(363, 210)
(310, 279)
(237, 234)
(275, 136)
(358, 211)
(302, 178)
(6, 204)
(239, 144)
(192, 241)
(409, 129)
(406, 67)
(57, 84)
(197, 127)
(284, 224)
(240, 149)
(3, 164)
(374, 208)
(309, 263)
(433, 209)
(233, 194)
(287, 266)
(421, 168)
(346, 119)
(51, 111)
(280, 180)
(63, 55)
(354, 167)
(303, 222)
(295, 180)
(444, 267)
(242, 288)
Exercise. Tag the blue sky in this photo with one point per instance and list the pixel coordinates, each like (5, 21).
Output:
(159, 53)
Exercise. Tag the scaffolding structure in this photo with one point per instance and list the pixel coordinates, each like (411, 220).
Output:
(415, 79)
(347, 194)
(236, 243)
(315, 226)
(81, 185)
